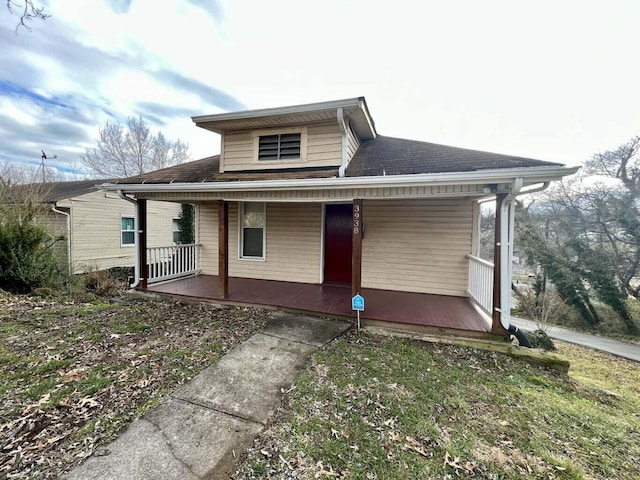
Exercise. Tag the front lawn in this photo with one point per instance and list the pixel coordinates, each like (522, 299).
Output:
(371, 407)
(73, 375)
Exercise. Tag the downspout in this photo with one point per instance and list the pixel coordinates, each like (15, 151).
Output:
(136, 267)
(343, 131)
(507, 217)
(66, 214)
(519, 334)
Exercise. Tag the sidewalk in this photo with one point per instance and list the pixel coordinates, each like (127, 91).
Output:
(200, 430)
(630, 351)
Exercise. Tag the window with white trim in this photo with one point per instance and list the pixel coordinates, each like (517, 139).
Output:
(281, 146)
(127, 231)
(177, 231)
(252, 230)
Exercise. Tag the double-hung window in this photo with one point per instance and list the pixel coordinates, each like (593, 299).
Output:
(282, 146)
(127, 231)
(252, 230)
(177, 231)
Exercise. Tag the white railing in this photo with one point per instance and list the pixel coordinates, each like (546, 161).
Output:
(480, 288)
(175, 261)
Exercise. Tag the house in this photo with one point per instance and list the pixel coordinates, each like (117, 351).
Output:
(308, 205)
(98, 226)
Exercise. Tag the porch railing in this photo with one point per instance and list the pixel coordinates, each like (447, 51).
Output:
(175, 261)
(480, 287)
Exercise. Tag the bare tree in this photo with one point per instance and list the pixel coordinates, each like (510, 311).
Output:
(26, 11)
(124, 152)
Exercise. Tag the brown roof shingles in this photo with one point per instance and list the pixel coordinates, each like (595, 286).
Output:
(208, 170)
(398, 156)
(380, 156)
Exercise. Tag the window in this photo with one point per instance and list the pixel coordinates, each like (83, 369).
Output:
(177, 231)
(252, 223)
(127, 231)
(283, 146)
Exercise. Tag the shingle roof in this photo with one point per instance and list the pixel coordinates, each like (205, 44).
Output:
(208, 170)
(380, 156)
(55, 191)
(398, 156)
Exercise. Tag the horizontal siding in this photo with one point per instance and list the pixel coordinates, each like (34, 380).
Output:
(324, 149)
(417, 245)
(293, 244)
(95, 231)
(208, 238)
(324, 145)
(56, 224)
(424, 191)
(353, 142)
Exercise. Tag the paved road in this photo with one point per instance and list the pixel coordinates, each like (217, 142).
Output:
(626, 350)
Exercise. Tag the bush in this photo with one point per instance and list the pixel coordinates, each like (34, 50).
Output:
(544, 308)
(101, 283)
(540, 339)
(27, 257)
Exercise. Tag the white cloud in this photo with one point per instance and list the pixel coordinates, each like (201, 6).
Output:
(549, 80)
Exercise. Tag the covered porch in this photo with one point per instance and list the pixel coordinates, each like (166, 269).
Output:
(416, 312)
(414, 268)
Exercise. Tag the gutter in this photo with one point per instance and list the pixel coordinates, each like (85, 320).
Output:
(530, 174)
(136, 268)
(68, 215)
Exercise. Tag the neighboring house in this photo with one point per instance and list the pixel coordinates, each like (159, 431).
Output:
(308, 205)
(98, 226)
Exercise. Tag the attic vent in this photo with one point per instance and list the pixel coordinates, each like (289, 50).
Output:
(283, 146)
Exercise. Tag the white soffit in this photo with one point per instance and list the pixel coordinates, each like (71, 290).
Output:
(354, 108)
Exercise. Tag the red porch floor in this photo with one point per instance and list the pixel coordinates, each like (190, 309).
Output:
(414, 309)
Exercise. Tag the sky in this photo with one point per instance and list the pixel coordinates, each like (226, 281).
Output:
(552, 80)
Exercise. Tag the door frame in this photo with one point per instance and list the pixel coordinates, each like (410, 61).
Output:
(322, 232)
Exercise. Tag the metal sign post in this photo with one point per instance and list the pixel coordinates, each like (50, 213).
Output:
(357, 304)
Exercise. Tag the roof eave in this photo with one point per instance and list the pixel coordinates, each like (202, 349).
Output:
(268, 112)
(221, 122)
(530, 175)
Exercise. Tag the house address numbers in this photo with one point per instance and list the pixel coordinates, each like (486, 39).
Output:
(356, 219)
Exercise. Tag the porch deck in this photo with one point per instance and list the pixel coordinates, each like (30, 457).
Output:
(414, 311)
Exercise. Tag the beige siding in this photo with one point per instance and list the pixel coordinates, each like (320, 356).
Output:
(293, 244)
(95, 230)
(56, 224)
(425, 191)
(353, 142)
(324, 148)
(417, 245)
(208, 238)
(238, 150)
(293, 234)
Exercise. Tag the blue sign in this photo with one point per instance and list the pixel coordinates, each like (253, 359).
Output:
(357, 303)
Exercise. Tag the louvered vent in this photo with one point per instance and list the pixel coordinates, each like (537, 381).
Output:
(279, 147)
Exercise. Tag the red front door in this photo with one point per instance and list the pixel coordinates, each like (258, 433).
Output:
(337, 243)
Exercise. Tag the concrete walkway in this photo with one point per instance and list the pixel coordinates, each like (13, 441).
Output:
(202, 428)
(630, 351)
